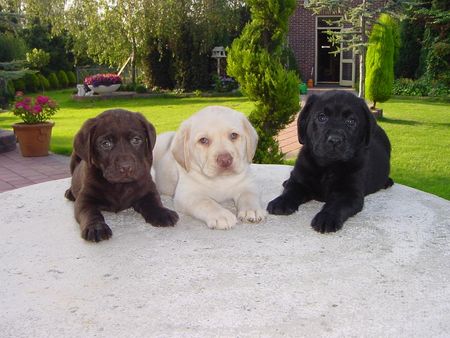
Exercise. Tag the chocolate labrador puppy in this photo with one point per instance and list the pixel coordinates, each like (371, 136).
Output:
(110, 166)
(345, 156)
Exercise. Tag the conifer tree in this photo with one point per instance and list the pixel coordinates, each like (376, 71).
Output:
(254, 60)
(380, 60)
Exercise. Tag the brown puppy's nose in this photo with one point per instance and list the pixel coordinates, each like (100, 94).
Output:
(224, 160)
(126, 168)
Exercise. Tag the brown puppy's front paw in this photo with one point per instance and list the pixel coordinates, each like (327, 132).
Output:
(96, 232)
(326, 222)
(161, 217)
(68, 194)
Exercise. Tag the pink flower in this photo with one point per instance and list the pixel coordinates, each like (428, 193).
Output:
(27, 100)
(19, 105)
(19, 93)
(26, 107)
(36, 109)
(41, 100)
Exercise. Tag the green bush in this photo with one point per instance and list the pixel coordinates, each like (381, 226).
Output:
(19, 85)
(32, 83)
(420, 87)
(53, 80)
(255, 61)
(45, 85)
(10, 89)
(12, 48)
(140, 89)
(38, 58)
(62, 79)
(72, 78)
(380, 60)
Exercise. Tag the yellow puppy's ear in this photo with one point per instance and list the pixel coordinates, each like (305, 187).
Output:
(251, 139)
(180, 145)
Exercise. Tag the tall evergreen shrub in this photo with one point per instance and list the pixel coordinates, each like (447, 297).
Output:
(380, 60)
(255, 61)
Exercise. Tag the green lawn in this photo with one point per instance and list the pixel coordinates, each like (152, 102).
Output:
(419, 129)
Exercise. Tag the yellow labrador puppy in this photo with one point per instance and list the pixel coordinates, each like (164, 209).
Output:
(206, 162)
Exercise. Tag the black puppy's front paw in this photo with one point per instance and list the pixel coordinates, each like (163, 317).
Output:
(96, 232)
(326, 222)
(282, 205)
(161, 217)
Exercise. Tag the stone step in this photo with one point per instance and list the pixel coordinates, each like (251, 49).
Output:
(7, 141)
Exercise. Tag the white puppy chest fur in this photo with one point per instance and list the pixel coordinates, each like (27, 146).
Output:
(206, 162)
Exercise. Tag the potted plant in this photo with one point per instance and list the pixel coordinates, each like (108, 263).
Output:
(33, 134)
(103, 83)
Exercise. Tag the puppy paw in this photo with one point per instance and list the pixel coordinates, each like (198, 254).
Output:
(252, 216)
(161, 217)
(326, 222)
(282, 205)
(68, 194)
(96, 232)
(222, 220)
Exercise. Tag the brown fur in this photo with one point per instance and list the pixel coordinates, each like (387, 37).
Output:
(110, 166)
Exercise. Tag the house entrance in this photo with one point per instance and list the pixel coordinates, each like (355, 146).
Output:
(328, 64)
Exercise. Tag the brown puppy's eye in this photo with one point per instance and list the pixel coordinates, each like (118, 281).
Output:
(234, 136)
(136, 141)
(350, 122)
(204, 141)
(106, 144)
(322, 118)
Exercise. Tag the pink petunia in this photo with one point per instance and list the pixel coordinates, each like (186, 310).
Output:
(36, 109)
(19, 105)
(41, 100)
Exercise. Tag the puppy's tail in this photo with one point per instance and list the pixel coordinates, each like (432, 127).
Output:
(389, 183)
(162, 146)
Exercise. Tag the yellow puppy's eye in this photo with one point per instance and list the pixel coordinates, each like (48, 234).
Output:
(204, 140)
(234, 136)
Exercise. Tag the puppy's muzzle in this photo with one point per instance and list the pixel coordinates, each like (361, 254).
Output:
(335, 140)
(224, 161)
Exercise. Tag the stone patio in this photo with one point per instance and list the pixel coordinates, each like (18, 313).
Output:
(386, 274)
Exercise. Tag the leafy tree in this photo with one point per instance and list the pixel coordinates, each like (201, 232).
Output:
(38, 58)
(356, 18)
(12, 47)
(254, 59)
(380, 60)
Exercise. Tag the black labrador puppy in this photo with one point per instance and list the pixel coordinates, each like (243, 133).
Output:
(345, 156)
(110, 166)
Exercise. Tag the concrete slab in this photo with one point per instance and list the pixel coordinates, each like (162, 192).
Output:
(387, 273)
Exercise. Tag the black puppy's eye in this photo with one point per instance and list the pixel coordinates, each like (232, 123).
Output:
(204, 141)
(136, 141)
(350, 122)
(234, 136)
(322, 117)
(106, 144)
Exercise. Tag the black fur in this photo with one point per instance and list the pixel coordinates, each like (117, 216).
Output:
(345, 156)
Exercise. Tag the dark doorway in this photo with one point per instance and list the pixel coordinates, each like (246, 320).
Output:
(328, 65)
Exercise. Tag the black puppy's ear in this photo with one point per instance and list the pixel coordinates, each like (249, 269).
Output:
(150, 130)
(370, 121)
(303, 119)
(83, 143)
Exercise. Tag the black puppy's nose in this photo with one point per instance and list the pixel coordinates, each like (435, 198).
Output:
(335, 140)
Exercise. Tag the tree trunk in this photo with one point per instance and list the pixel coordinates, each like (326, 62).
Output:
(133, 62)
(362, 60)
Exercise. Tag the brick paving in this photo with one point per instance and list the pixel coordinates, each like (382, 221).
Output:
(17, 171)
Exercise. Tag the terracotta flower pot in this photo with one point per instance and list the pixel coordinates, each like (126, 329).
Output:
(34, 139)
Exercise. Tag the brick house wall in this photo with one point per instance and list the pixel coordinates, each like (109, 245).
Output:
(302, 38)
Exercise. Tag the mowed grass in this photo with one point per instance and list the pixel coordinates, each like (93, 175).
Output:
(419, 129)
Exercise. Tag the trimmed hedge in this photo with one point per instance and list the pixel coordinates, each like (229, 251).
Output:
(45, 84)
(53, 80)
(19, 85)
(72, 78)
(62, 78)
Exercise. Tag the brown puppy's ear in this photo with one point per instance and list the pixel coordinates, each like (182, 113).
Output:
(370, 121)
(303, 119)
(150, 131)
(251, 139)
(180, 145)
(83, 144)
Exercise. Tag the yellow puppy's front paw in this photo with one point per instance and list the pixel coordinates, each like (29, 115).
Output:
(252, 216)
(222, 221)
